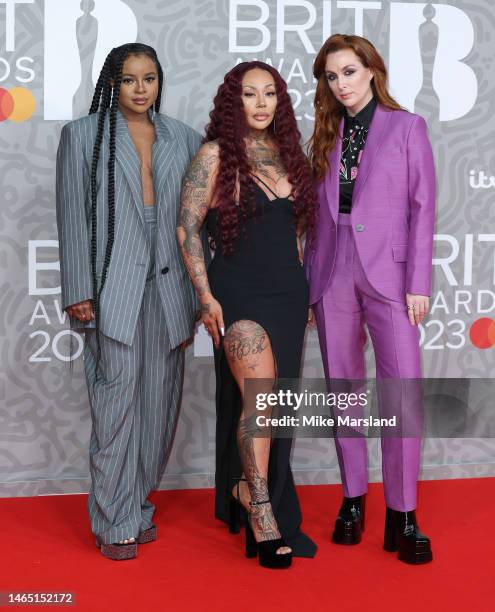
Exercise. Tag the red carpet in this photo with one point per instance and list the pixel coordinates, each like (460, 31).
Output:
(197, 565)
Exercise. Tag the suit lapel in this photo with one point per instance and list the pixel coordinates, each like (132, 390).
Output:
(127, 158)
(164, 151)
(376, 132)
(332, 176)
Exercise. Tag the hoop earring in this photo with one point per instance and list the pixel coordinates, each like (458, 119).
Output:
(274, 124)
(153, 114)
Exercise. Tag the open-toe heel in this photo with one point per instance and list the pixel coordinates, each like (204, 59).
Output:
(117, 552)
(268, 556)
(266, 550)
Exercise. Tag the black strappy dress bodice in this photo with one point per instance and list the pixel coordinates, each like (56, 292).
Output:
(262, 281)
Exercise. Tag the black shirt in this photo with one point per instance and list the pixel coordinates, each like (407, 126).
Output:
(354, 139)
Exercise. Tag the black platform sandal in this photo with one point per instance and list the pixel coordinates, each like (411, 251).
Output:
(267, 549)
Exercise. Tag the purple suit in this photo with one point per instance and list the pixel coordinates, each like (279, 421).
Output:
(360, 268)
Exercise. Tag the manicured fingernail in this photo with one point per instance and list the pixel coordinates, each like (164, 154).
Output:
(222, 329)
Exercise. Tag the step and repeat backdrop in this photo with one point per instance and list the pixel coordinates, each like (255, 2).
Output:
(441, 59)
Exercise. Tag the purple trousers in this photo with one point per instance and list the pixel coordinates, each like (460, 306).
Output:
(348, 304)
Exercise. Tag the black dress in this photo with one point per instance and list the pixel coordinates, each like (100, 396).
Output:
(262, 281)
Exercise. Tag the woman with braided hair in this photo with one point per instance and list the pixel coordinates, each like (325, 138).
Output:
(119, 174)
(250, 184)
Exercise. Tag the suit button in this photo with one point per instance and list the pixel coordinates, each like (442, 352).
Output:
(359, 227)
(165, 270)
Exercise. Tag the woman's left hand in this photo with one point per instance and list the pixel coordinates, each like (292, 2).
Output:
(417, 307)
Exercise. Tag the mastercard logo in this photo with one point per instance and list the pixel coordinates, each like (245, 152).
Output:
(16, 104)
(482, 333)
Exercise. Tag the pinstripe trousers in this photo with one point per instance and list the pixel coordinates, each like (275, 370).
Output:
(134, 407)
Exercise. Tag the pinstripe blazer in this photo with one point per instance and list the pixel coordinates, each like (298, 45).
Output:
(122, 295)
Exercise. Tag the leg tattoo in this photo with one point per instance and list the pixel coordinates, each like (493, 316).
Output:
(248, 352)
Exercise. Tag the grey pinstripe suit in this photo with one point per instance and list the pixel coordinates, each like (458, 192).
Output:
(147, 310)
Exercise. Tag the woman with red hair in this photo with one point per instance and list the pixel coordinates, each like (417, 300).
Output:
(252, 185)
(370, 263)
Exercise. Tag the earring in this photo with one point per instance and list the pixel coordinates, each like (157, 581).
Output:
(274, 124)
(153, 114)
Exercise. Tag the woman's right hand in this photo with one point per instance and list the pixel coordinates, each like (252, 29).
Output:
(83, 311)
(212, 317)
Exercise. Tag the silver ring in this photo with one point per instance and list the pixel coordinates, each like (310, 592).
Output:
(411, 307)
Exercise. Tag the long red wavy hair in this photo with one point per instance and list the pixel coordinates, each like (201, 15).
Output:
(328, 110)
(228, 126)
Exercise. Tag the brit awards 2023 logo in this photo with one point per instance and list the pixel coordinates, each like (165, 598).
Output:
(427, 45)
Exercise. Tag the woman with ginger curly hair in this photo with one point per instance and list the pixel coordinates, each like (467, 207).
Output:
(251, 182)
(370, 263)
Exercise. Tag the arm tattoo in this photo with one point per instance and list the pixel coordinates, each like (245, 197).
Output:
(194, 207)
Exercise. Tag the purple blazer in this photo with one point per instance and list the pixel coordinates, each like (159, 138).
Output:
(393, 209)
